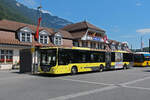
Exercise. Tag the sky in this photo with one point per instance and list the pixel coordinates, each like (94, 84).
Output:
(123, 20)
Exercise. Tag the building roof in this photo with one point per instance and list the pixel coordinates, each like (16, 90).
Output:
(81, 26)
(15, 26)
(10, 38)
(113, 41)
(78, 34)
(65, 34)
(9, 28)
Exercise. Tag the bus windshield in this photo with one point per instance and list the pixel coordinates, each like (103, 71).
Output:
(48, 57)
(147, 57)
(138, 58)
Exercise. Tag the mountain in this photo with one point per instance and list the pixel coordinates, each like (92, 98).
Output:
(13, 10)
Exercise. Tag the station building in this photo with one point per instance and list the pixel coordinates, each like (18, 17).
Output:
(87, 35)
(16, 36)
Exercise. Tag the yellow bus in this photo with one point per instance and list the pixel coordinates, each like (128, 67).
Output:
(142, 59)
(119, 60)
(57, 60)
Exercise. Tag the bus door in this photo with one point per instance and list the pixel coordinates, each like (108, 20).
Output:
(118, 60)
(108, 59)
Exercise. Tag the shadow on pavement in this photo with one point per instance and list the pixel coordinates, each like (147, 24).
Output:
(60, 75)
(146, 71)
(140, 67)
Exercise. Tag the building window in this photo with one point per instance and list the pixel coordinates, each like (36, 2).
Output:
(25, 37)
(124, 47)
(99, 46)
(119, 47)
(28, 37)
(76, 43)
(84, 44)
(43, 39)
(6, 56)
(93, 45)
(113, 47)
(57, 40)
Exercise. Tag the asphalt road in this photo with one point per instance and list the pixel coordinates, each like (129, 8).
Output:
(131, 84)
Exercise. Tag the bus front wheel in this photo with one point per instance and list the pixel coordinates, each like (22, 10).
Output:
(101, 68)
(125, 67)
(74, 70)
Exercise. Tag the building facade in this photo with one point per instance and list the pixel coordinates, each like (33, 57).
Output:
(87, 35)
(15, 36)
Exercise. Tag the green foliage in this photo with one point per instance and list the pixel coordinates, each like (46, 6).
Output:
(9, 10)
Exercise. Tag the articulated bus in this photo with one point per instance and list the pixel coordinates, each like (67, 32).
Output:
(57, 60)
(142, 59)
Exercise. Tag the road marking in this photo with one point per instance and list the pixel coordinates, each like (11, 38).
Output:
(81, 81)
(135, 81)
(132, 87)
(70, 96)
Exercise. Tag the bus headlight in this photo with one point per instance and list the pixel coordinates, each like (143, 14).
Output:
(52, 69)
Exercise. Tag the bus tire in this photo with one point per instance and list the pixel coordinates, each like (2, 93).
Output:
(125, 66)
(147, 65)
(101, 68)
(74, 70)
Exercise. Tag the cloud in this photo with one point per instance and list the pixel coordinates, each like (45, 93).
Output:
(143, 31)
(138, 4)
(46, 11)
(18, 4)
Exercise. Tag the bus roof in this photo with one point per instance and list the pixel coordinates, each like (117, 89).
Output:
(76, 48)
(146, 54)
(83, 48)
(142, 53)
(121, 51)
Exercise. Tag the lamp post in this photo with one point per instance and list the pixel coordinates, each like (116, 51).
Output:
(141, 44)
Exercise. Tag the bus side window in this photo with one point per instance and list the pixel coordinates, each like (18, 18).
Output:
(102, 57)
(113, 57)
(84, 56)
(118, 57)
(92, 58)
(97, 57)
